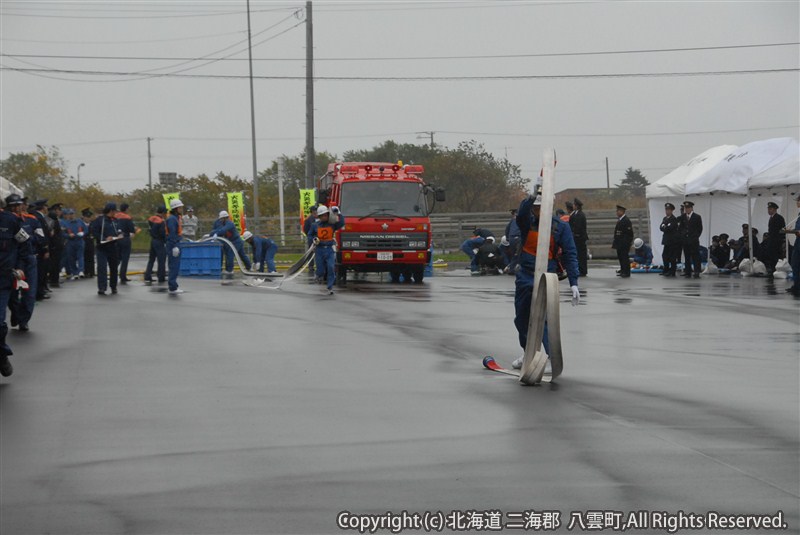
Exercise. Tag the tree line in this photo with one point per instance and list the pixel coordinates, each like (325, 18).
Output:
(475, 180)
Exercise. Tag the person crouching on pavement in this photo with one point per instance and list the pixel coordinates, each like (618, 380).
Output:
(264, 250)
(472, 244)
(560, 238)
(12, 235)
(642, 253)
(224, 228)
(323, 231)
(174, 236)
(490, 258)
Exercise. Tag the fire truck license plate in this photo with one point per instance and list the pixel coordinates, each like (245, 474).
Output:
(385, 257)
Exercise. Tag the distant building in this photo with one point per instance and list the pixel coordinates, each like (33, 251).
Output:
(168, 180)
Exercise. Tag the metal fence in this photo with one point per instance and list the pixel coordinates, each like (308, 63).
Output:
(450, 230)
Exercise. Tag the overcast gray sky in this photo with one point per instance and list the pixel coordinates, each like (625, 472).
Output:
(426, 60)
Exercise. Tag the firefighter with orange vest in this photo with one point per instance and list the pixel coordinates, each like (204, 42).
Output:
(322, 232)
(560, 238)
(174, 236)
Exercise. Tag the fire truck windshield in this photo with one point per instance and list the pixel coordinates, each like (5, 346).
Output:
(399, 199)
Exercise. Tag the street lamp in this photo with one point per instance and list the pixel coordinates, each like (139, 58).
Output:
(79, 174)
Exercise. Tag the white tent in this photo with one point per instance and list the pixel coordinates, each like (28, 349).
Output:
(672, 188)
(7, 188)
(767, 168)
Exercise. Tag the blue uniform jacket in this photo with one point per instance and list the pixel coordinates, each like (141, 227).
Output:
(74, 227)
(226, 230)
(562, 236)
(261, 245)
(103, 228)
(326, 230)
(643, 255)
(173, 231)
(10, 258)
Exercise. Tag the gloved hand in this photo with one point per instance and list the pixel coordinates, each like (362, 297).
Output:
(576, 295)
(80, 234)
(215, 237)
(205, 236)
(316, 241)
(176, 252)
(256, 266)
(18, 274)
(335, 209)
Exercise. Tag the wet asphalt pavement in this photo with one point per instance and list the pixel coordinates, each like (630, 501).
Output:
(231, 409)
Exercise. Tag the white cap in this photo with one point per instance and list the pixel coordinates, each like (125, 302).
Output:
(246, 235)
(222, 214)
(175, 203)
(322, 210)
(638, 242)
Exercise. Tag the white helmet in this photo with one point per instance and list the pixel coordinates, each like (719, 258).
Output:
(491, 238)
(247, 235)
(222, 214)
(638, 242)
(322, 210)
(175, 203)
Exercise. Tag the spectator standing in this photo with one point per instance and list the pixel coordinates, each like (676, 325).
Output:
(42, 249)
(88, 244)
(190, 224)
(56, 245)
(774, 243)
(580, 234)
(671, 240)
(691, 227)
(623, 238)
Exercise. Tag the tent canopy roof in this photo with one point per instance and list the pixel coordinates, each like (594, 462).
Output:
(674, 183)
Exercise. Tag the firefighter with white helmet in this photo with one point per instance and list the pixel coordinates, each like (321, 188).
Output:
(264, 249)
(225, 228)
(642, 253)
(322, 232)
(174, 236)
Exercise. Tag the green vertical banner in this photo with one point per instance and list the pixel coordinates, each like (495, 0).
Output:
(307, 200)
(168, 197)
(236, 210)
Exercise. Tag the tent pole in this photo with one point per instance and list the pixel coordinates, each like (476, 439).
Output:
(750, 230)
(786, 211)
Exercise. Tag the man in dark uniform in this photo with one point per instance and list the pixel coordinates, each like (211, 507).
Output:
(21, 302)
(690, 226)
(775, 238)
(42, 248)
(11, 235)
(125, 223)
(577, 223)
(88, 244)
(623, 238)
(57, 244)
(106, 237)
(671, 240)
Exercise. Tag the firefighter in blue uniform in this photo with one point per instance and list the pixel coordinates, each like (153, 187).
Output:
(224, 228)
(39, 210)
(158, 247)
(106, 237)
(560, 238)
(125, 223)
(479, 236)
(76, 229)
(11, 235)
(322, 232)
(22, 302)
(264, 249)
(174, 236)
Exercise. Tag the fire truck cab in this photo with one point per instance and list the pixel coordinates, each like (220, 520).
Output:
(387, 225)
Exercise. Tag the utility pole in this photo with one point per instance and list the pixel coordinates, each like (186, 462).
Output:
(149, 165)
(429, 134)
(252, 119)
(79, 174)
(281, 177)
(310, 157)
(608, 178)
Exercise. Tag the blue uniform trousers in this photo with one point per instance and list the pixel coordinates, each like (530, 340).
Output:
(325, 258)
(107, 261)
(158, 253)
(174, 269)
(469, 247)
(523, 296)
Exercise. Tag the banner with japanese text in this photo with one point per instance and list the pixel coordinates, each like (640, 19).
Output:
(307, 200)
(236, 210)
(168, 197)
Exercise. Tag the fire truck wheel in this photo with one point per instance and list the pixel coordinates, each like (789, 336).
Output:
(341, 276)
(418, 275)
(395, 276)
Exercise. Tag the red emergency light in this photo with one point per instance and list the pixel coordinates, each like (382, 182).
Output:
(414, 169)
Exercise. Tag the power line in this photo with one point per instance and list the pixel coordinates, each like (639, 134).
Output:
(85, 42)
(413, 58)
(633, 134)
(517, 77)
(130, 17)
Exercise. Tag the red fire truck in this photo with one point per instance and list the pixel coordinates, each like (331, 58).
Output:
(387, 225)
